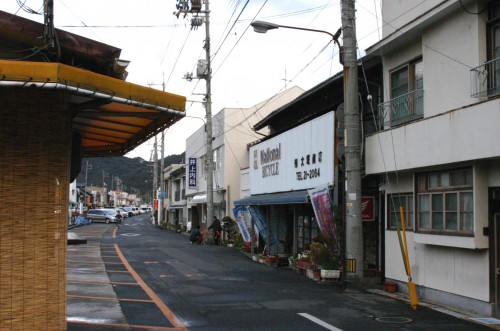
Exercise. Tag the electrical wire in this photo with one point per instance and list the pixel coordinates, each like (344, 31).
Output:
(178, 56)
(224, 60)
(237, 18)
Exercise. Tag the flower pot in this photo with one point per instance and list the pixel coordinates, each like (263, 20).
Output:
(255, 258)
(330, 274)
(390, 287)
(313, 274)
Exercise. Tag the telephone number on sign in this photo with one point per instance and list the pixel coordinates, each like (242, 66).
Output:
(308, 174)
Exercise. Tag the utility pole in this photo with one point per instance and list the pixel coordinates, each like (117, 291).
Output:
(87, 168)
(354, 226)
(204, 71)
(160, 200)
(160, 197)
(208, 109)
(155, 172)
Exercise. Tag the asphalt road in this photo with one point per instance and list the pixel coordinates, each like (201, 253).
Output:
(139, 277)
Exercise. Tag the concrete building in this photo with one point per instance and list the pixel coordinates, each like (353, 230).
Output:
(175, 201)
(232, 132)
(436, 151)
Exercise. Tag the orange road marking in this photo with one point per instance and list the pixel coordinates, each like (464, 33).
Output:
(146, 327)
(107, 298)
(160, 304)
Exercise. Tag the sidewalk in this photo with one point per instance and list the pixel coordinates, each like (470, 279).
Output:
(490, 322)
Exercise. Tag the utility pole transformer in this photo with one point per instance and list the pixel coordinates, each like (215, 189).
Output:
(353, 220)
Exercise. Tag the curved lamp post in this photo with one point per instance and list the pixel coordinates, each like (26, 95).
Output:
(348, 58)
(263, 27)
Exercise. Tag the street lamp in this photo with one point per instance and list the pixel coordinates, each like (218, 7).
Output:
(263, 27)
(353, 226)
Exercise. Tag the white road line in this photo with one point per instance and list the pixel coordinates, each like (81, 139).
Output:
(320, 322)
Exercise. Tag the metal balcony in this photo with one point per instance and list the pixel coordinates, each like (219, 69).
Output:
(405, 108)
(485, 79)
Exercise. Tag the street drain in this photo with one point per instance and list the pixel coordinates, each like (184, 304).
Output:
(394, 319)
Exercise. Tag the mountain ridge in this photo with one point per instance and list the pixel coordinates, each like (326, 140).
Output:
(135, 174)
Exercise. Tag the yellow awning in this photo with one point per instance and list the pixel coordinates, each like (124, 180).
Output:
(112, 116)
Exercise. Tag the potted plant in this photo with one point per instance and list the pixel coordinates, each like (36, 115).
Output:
(327, 261)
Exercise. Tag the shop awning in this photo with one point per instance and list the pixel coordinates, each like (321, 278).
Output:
(301, 196)
(111, 116)
(201, 198)
(175, 207)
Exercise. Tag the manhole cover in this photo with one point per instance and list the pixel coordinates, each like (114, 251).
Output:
(394, 319)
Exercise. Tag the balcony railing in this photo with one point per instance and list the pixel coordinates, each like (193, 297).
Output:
(485, 79)
(405, 108)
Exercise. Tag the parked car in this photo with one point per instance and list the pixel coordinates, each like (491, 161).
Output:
(128, 210)
(118, 211)
(102, 215)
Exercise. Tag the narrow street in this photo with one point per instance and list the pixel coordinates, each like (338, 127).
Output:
(140, 277)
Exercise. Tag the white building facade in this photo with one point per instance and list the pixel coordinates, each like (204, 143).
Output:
(174, 203)
(436, 148)
(231, 132)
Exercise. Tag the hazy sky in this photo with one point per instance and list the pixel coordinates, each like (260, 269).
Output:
(247, 67)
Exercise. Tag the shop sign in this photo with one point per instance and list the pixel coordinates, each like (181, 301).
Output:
(192, 172)
(368, 208)
(297, 159)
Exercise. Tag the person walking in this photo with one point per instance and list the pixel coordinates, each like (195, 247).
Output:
(217, 227)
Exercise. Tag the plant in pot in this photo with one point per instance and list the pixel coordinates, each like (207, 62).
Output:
(327, 261)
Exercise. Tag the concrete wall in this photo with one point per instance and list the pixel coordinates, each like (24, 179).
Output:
(35, 136)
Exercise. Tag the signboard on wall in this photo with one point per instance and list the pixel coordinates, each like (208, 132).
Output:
(368, 208)
(192, 172)
(298, 159)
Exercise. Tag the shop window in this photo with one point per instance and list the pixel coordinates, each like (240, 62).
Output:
(307, 231)
(394, 215)
(217, 158)
(445, 202)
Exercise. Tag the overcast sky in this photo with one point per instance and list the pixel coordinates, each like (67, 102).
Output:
(247, 67)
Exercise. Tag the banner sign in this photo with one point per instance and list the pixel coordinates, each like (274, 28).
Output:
(260, 222)
(192, 172)
(322, 204)
(244, 221)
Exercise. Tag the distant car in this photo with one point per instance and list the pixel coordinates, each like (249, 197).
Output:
(102, 215)
(118, 211)
(145, 210)
(128, 210)
(122, 212)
